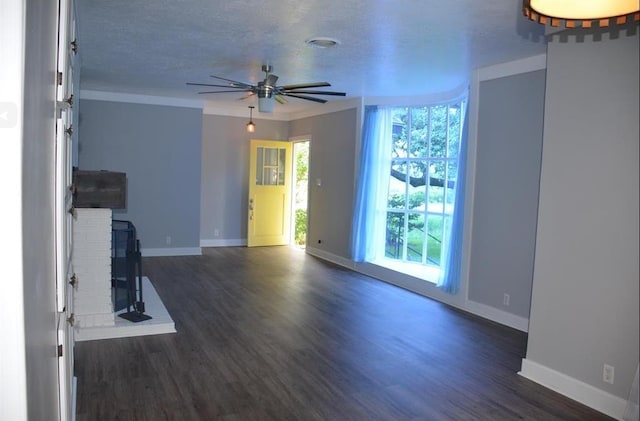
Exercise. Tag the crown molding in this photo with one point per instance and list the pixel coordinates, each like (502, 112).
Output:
(406, 101)
(211, 108)
(226, 110)
(328, 108)
(525, 65)
(140, 99)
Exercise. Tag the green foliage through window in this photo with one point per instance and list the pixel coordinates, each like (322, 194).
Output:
(420, 199)
(300, 235)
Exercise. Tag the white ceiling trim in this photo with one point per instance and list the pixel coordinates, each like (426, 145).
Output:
(529, 64)
(328, 108)
(222, 109)
(140, 99)
(211, 108)
(406, 101)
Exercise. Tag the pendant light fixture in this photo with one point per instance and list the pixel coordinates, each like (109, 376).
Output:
(251, 128)
(582, 13)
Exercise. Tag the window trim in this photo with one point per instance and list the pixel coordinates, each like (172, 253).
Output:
(424, 270)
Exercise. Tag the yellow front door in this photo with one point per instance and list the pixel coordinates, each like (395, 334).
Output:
(269, 215)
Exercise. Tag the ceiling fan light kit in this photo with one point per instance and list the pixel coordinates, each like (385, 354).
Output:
(582, 13)
(265, 105)
(267, 91)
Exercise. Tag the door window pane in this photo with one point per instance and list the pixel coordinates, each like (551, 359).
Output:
(259, 164)
(281, 166)
(270, 165)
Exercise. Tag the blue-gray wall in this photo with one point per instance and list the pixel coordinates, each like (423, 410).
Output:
(331, 162)
(225, 175)
(585, 311)
(159, 147)
(508, 155)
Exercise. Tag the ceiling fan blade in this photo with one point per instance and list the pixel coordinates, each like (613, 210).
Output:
(317, 92)
(281, 99)
(215, 86)
(308, 98)
(234, 83)
(223, 92)
(247, 95)
(304, 85)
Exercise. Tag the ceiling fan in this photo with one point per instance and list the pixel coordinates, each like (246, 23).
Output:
(267, 90)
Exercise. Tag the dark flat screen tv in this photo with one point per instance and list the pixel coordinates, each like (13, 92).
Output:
(99, 189)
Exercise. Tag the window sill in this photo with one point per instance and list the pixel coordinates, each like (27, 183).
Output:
(425, 273)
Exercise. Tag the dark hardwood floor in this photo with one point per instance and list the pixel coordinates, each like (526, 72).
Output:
(275, 334)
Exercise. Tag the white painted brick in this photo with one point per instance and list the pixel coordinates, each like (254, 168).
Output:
(93, 298)
(91, 276)
(90, 261)
(93, 307)
(92, 320)
(92, 265)
(90, 297)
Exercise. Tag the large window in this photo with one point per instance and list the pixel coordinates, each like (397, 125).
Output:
(425, 147)
(409, 204)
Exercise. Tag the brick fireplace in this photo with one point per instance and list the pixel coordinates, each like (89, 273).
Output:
(92, 263)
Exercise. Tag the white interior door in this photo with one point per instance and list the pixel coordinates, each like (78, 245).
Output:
(63, 207)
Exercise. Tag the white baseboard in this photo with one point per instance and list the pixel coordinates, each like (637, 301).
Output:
(584, 393)
(225, 242)
(333, 258)
(497, 315)
(180, 251)
(426, 289)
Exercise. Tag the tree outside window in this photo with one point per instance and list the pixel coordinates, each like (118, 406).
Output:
(424, 166)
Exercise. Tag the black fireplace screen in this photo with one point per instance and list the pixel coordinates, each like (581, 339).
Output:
(126, 271)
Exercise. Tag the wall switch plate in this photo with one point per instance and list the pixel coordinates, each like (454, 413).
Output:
(608, 372)
(506, 300)
(168, 240)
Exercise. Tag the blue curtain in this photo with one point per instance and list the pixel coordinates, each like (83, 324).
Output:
(375, 167)
(450, 274)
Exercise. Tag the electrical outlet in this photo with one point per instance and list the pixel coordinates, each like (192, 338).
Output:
(216, 232)
(506, 300)
(168, 240)
(608, 373)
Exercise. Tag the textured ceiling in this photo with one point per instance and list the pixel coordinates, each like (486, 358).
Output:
(387, 48)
